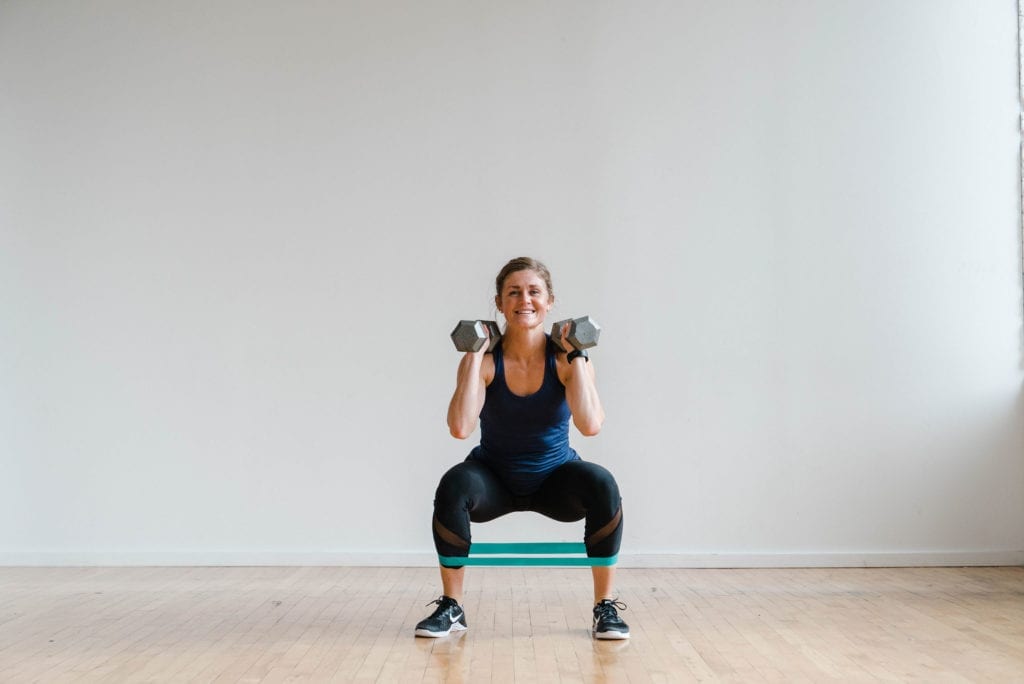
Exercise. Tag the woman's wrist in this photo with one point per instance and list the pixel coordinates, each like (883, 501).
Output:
(578, 354)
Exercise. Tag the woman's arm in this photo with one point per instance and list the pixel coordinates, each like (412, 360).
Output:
(581, 395)
(475, 372)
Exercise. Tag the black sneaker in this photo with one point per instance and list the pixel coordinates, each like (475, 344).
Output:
(607, 623)
(449, 617)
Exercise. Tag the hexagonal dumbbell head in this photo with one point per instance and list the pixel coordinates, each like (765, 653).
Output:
(584, 333)
(469, 336)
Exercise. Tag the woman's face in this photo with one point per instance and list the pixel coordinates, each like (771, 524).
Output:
(524, 299)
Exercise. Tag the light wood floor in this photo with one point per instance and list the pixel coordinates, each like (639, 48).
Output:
(346, 624)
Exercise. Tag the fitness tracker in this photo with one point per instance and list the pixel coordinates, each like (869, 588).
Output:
(576, 353)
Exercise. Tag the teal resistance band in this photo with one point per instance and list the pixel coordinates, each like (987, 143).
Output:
(527, 553)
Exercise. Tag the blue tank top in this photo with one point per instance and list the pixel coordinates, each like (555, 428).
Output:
(524, 438)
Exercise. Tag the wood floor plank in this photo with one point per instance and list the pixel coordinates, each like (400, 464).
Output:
(319, 624)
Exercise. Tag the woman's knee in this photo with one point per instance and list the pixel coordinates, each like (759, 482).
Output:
(451, 519)
(457, 485)
(598, 486)
(607, 487)
(603, 533)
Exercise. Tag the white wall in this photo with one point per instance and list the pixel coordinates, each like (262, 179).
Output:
(234, 237)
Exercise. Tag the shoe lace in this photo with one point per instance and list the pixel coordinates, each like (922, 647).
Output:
(607, 608)
(443, 603)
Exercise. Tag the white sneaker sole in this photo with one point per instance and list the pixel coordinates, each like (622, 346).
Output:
(457, 627)
(611, 635)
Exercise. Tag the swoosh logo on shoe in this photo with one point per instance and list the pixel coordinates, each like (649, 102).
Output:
(454, 618)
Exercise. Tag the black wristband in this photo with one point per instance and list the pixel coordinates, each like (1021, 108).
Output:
(576, 353)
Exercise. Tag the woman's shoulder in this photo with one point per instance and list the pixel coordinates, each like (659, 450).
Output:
(557, 359)
(553, 349)
(489, 367)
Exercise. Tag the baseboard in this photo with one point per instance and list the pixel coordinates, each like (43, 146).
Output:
(423, 559)
(909, 559)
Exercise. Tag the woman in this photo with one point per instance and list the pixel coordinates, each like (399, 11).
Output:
(523, 394)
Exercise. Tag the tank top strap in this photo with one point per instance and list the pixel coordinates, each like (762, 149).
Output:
(551, 367)
(499, 363)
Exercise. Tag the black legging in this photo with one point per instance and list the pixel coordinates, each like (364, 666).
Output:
(472, 492)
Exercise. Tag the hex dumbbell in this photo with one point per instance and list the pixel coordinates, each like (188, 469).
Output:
(583, 332)
(472, 336)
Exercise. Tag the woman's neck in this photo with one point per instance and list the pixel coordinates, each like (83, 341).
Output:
(523, 345)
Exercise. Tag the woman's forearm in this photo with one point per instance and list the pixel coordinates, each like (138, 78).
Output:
(468, 399)
(584, 401)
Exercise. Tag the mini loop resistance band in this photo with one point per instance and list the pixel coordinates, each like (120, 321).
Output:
(527, 553)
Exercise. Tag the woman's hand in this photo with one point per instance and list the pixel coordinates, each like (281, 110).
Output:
(562, 343)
